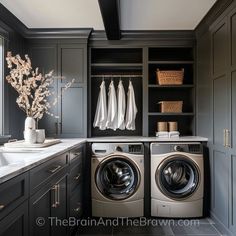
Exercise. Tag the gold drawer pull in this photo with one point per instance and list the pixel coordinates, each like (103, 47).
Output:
(77, 177)
(1, 207)
(54, 204)
(55, 169)
(227, 138)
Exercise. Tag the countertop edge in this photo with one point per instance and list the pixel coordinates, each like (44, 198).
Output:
(78, 142)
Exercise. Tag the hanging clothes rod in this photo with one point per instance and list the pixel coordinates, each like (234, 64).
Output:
(117, 76)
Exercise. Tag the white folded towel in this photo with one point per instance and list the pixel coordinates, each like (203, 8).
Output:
(121, 106)
(173, 134)
(131, 108)
(112, 108)
(101, 110)
(162, 134)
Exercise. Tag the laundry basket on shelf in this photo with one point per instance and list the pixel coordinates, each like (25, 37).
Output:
(170, 77)
(171, 106)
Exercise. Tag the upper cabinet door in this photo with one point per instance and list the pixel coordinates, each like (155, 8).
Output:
(233, 39)
(72, 63)
(232, 23)
(44, 56)
(219, 49)
(73, 112)
(220, 61)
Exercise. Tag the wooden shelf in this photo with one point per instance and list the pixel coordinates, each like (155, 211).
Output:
(171, 86)
(171, 114)
(116, 64)
(170, 62)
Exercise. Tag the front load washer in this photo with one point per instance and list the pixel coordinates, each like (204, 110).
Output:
(177, 179)
(117, 179)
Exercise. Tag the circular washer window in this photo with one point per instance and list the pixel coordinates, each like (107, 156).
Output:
(177, 177)
(117, 178)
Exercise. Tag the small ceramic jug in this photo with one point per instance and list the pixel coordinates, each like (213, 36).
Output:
(40, 133)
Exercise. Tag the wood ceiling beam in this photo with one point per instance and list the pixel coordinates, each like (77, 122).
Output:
(111, 18)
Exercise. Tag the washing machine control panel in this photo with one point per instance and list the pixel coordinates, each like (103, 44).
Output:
(178, 148)
(135, 149)
(163, 148)
(103, 149)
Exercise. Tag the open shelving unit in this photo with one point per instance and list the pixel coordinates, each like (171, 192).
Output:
(143, 61)
(171, 58)
(111, 62)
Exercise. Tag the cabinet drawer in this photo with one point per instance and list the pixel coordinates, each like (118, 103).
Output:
(75, 176)
(76, 202)
(76, 155)
(42, 173)
(12, 193)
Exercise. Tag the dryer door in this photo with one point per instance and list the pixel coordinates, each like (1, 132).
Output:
(178, 177)
(117, 177)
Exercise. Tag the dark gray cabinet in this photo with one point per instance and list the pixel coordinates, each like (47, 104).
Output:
(75, 187)
(69, 62)
(221, 116)
(36, 203)
(216, 98)
(16, 223)
(49, 205)
(44, 56)
(14, 206)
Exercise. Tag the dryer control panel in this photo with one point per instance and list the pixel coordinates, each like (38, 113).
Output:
(102, 149)
(162, 148)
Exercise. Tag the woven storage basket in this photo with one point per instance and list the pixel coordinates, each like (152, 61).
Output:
(171, 106)
(170, 77)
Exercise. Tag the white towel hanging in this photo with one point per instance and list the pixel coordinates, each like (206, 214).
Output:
(101, 110)
(121, 106)
(131, 108)
(112, 108)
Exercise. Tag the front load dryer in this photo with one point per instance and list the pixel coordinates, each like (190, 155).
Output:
(117, 179)
(177, 180)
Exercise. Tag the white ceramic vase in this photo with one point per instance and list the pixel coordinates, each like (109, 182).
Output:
(30, 123)
(30, 136)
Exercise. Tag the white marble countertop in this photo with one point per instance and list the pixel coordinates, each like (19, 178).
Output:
(21, 160)
(14, 162)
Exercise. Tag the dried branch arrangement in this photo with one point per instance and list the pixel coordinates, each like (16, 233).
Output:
(32, 87)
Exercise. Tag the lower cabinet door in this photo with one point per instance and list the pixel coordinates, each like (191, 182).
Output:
(48, 209)
(40, 211)
(16, 223)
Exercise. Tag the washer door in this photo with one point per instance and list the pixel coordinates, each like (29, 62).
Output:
(117, 177)
(177, 177)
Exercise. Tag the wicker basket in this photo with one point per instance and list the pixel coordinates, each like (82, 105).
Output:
(171, 106)
(170, 77)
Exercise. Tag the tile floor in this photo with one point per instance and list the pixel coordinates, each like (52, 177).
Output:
(150, 227)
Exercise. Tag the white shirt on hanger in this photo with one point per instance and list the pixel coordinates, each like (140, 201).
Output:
(112, 108)
(101, 110)
(121, 106)
(132, 110)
